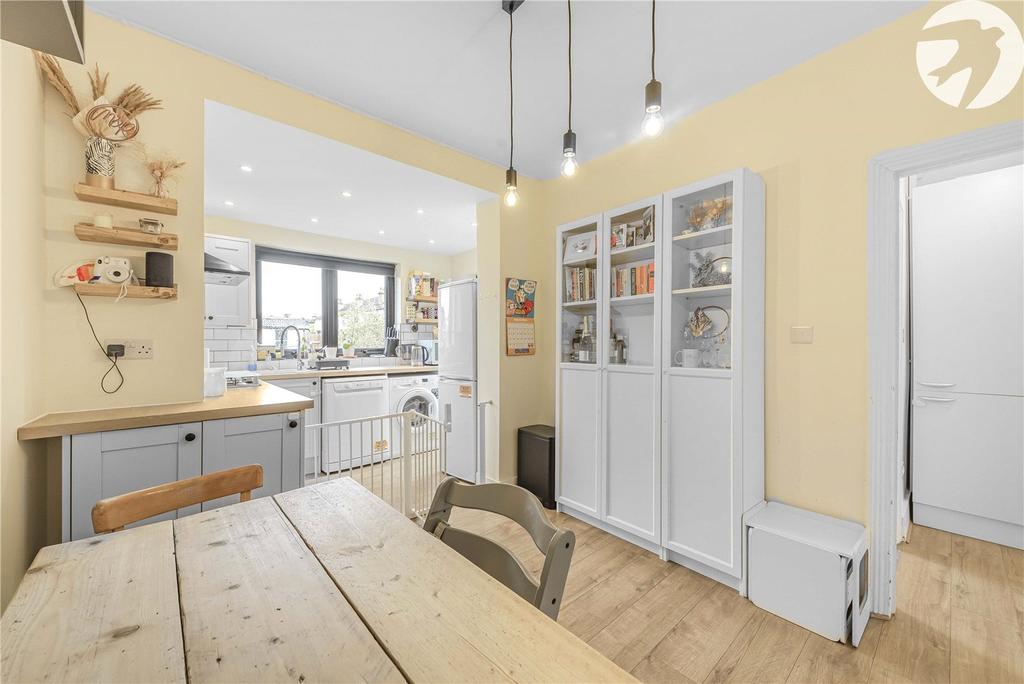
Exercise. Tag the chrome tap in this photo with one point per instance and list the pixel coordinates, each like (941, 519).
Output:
(298, 340)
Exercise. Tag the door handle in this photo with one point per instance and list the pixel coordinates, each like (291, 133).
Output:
(936, 384)
(944, 400)
(447, 417)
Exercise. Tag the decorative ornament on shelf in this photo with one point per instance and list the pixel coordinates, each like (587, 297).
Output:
(709, 270)
(105, 124)
(164, 170)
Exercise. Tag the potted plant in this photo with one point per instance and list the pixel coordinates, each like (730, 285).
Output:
(349, 349)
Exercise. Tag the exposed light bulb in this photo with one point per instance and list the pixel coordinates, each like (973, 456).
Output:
(511, 197)
(653, 124)
(511, 189)
(569, 165)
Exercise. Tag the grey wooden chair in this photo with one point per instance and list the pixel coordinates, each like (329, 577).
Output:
(497, 561)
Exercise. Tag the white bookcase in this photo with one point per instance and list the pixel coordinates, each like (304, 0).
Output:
(665, 447)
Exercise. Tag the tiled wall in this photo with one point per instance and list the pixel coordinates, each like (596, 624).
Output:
(407, 336)
(230, 348)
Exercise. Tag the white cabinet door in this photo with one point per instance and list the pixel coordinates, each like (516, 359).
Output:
(105, 464)
(702, 472)
(632, 495)
(231, 305)
(578, 435)
(270, 441)
(969, 454)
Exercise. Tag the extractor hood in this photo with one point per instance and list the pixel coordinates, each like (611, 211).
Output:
(220, 272)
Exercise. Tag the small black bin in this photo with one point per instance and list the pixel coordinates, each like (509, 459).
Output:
(536, 462)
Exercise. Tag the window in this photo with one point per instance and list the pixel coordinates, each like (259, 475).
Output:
(329, 300)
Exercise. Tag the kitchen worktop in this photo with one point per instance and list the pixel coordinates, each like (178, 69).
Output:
(346, 373)
(234, 403)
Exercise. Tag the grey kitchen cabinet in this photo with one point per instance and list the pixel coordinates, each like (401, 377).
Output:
(272, 441)
(105, 464)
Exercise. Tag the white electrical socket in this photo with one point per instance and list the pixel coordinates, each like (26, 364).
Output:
(801, 334)
(133, 349)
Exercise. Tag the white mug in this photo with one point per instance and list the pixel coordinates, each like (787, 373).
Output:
(688, 358)
(331, 352)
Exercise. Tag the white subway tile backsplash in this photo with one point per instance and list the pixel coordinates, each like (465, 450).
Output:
(288, 364)
(227, 356)
(218, 364)
(249, 334)
(240, 345)
(216, 345)
(227, 334)
(238, 365)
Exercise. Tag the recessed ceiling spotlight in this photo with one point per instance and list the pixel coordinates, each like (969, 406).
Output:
(245, 168)
(419, 211)
(314, 219)
(474, 224)
(380, 232)
(228, 203)
(346, 194)
(431, 242)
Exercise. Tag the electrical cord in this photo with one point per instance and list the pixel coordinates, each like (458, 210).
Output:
(569, 4)
(511, 98)
(113, 359)
(652, 38)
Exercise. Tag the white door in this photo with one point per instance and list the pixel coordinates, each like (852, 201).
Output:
(703, 512)
(579, 435)
(457, 405)
(457, 331)
(967, 331)
(632, 495)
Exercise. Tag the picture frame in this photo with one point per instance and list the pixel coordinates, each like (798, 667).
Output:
(618, 236)
(580, 246)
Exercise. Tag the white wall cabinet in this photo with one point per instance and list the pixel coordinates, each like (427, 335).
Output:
(671, 454)
(104, 464)
(231, 306)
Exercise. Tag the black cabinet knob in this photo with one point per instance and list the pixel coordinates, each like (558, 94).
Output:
(209, 318)
(190, 437)
(293, 423)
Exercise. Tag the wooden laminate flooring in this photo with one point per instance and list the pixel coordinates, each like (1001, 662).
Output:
(959, 618)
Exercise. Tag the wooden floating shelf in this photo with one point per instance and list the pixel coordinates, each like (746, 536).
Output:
(134, 291)
(126, 199)
(710, 291)
(126, 236)
(423, 300)
(426, 321)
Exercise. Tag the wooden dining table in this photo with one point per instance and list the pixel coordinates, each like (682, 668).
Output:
(322, 583)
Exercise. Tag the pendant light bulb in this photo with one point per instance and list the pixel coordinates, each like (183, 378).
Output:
(511, 189)
(653, 122)
(569, 163)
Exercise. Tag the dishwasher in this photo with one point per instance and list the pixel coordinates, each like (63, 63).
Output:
(359, 443)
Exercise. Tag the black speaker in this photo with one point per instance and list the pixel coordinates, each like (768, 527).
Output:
(159, 269)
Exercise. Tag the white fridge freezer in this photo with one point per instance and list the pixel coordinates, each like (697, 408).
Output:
(456, 335)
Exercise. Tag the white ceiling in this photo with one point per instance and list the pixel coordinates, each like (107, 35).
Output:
(440, 68)
(297, 176)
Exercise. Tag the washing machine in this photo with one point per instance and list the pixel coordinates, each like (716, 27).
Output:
(414, 392)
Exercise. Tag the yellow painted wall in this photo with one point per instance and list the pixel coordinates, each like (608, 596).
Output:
(488, 326)
(809, 132)
(302, 241)
(464, 264)
(22, 465)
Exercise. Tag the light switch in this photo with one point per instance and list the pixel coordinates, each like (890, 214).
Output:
(801, 334)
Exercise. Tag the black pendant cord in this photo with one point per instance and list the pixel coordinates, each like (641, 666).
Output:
(569, 5)
(511, 99)
(652, 39)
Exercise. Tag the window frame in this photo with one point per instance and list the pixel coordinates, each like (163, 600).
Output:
(328, 266)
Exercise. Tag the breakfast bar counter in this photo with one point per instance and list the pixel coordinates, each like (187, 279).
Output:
(263, 400)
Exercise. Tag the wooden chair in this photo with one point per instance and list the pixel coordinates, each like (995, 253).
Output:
(497, 561)
(111, 515)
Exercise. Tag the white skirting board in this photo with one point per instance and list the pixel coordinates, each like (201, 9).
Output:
(986, 529)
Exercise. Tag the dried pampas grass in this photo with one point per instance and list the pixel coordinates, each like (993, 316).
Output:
(136, 100)
(55, 75)
(98, 82)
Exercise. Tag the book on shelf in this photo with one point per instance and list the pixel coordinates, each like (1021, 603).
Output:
(634, 279)
(579, 283)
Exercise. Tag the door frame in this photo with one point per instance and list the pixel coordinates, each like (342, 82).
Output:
(883, 269)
